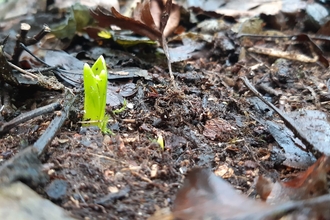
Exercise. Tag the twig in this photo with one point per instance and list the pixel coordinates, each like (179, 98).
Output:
(49, 67)
(284, 54)
(22, 38)
(287, 120)
(77, 190)
(22, 71)
(146, 179)
(27, 116)
(49, 134)
(315, 96)
(21, 45)
(167, 54)
(111, 197)
(40, 70)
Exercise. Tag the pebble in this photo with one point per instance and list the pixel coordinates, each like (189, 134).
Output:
(57, 189)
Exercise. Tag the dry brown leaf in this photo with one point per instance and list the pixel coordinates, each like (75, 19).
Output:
(219, 129)
(150, 18)
(106, 18)
(308, 184)
(142, 23)
(142, 13)
(159, 11)
(204, 196)
(264, 187)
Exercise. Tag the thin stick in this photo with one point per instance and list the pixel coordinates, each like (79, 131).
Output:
(28, 115)
(287, 120)
(22, 71)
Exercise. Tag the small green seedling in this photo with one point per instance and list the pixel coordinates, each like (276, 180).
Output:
(160, 141)
(95, 85)
(118, 111)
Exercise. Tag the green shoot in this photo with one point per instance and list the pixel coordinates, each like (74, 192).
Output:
(117, 111)
(160, 141)
(95, 85)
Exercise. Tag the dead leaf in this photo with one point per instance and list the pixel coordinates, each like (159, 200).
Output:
(224, 171)
(106, 18)
(252, 7)
(264, 187)
(71, 67)
(236, 7)
(315, 125)
(205, 196)
(164, 214)
(142, 13)
(142, 23)
(219, 129)
(295, 157)
(159, 12)
(308, 184)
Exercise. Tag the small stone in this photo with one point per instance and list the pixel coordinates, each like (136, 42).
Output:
(57, 189)
(73, 172)
(107, 140)
(154, 171)
(119, 176)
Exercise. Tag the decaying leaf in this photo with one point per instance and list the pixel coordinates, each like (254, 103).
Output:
(307, 184)
(159, 12)
(315, 125)
(296, 157)
(71, 67)
(106, 18)
(237, 7)
(142, 23)
(206, 196)
(219, 129)
(192, 43)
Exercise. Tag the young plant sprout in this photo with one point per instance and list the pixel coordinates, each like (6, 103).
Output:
(160, 141)
(95, 85)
